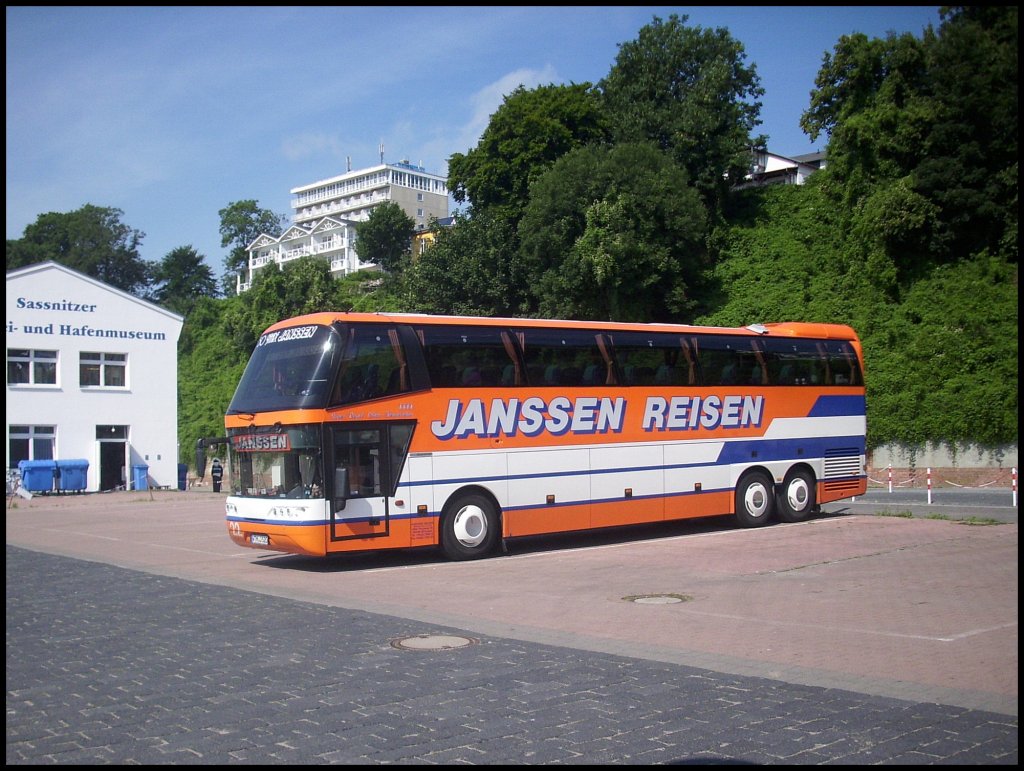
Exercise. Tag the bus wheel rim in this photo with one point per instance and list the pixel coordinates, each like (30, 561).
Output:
(755, 499)
(470, 526)
(798, 494)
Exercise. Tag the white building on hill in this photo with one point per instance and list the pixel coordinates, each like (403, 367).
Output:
(325, 213)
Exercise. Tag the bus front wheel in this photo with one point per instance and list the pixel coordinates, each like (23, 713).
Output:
(469, 529)
(796, 496)
(755, 499)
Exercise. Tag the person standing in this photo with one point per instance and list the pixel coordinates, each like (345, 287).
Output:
(216, 474)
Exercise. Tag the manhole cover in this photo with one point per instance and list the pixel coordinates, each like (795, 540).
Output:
(432, 642)
(657, 599)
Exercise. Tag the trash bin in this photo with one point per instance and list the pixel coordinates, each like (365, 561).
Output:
(140, 477)
(182, 476)
(38, 476)
(73, 474)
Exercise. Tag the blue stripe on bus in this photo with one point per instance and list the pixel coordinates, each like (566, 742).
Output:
(835, 406)
(735, 451)
(768, 450)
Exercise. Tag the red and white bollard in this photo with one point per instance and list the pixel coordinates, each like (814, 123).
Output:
(1014, 487)
(929, 486)
(890, 479)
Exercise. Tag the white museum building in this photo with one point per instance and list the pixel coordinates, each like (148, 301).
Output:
(92, 382)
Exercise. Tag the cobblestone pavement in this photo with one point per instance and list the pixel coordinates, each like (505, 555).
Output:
(110, 665)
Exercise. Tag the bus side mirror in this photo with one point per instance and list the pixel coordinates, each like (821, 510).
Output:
(340, 488)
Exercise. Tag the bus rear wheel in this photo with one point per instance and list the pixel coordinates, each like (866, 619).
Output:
(469, 529)
(755, 499)
(796, 496)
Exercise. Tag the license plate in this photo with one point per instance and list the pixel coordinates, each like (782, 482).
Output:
(259, 540)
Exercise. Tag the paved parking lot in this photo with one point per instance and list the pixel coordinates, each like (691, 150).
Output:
(137, 632)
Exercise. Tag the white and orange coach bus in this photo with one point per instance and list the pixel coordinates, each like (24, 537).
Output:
(355, 432)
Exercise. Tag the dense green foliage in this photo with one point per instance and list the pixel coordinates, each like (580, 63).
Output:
(611, 203)
(613, 232)
(210, 365)
(471, 269)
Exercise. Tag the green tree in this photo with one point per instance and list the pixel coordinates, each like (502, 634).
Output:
(385, 237)
(871, 99)
(968, 166)
(91, 240)
(241, 223)
(525, 135)
(471, 269)
(181, 278)
(614, 233)
(689, 91)
(933, 120)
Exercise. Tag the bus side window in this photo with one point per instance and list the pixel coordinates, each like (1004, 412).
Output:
(564, 357)
(843, 363)
(373, 365)
(468, 357)
(720, 363)
(646, 359)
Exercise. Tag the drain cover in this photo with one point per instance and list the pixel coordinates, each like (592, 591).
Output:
(657, 599)
(432, 642)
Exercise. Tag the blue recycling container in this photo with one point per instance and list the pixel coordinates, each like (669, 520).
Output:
(182, 476)
(38, 476)
(140, 476)
(73, 474)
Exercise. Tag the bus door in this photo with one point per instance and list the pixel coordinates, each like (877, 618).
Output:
(365, 461)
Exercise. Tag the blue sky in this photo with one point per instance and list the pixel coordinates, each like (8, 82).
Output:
(170, 114)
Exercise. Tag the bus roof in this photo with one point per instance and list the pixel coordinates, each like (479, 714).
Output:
(778, 329)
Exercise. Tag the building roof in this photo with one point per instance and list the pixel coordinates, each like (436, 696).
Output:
(51, 265)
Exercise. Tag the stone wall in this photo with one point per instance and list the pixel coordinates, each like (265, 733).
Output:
(966, 466)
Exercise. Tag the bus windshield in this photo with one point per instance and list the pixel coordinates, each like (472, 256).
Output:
(289, 369)
(315, 366)
(282, 464)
